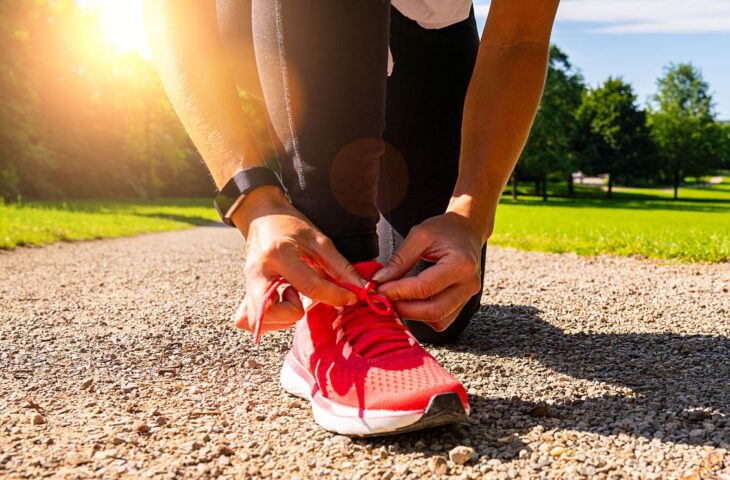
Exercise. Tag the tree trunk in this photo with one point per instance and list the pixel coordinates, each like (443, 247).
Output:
(544, 189)
(514, 187)
(610, 185)
(571, 192)
(676, 184)
(537, 187)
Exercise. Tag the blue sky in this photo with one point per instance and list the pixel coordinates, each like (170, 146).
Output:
(635, 39)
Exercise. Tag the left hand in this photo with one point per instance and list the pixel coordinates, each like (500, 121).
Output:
(436, 295)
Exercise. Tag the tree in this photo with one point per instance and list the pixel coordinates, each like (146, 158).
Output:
(613, 138)
(549, 147)
(682, 122)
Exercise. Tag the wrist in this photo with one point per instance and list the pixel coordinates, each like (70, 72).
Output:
(477, 214)
(262, 201)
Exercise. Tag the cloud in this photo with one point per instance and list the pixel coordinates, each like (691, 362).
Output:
(643, 16)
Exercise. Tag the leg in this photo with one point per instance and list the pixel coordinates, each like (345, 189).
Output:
(424, 107)
(323, 72)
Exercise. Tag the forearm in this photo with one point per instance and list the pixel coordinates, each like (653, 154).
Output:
(499, 111)
(191, 61)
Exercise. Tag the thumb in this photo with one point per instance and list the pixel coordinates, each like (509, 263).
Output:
(404, 259)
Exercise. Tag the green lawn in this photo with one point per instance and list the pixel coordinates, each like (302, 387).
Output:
(644, 222)
(38, 223)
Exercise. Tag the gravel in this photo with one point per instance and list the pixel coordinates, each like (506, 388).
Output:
(118, 358)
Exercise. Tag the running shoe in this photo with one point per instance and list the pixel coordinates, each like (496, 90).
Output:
(364, 372)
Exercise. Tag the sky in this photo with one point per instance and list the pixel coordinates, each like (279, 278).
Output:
(635, 39)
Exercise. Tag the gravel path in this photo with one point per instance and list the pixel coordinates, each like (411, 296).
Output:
(117, 358)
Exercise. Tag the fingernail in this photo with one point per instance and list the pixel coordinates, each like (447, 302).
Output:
(380, 275)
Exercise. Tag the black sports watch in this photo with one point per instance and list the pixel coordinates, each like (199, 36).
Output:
(240, 185)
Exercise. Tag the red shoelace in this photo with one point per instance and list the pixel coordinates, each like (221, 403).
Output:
(381, 333)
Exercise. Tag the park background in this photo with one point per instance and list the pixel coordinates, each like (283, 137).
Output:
(90, 146)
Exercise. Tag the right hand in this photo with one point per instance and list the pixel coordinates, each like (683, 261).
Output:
(282, 243)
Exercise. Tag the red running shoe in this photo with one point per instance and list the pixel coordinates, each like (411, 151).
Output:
(363, 371)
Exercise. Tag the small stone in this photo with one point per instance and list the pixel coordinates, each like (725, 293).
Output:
(438, 465)
(129, 387)
(251, 363)
(161, 421)
(341, 441)
(141, 427)
(539, 411)
(224, 451)
(37, 419)
(295, 403)
(312, 462)
(116, 441)
(265, 450)
(557, 451)
(697, 433)
(86, 383)
(189, 447)
(76, 458)
(461, 454)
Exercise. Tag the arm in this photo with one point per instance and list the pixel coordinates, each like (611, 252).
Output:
(500, 106)
(281, 242)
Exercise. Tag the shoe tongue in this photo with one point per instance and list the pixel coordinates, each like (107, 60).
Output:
(367, 269)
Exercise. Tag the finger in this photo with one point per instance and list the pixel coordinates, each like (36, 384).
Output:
(436, 308)
(311, 285)
(336, 265)
(442, 325)
(240, 318)
(277, 315)
(405, 258)
(426, 284)
(281, 315)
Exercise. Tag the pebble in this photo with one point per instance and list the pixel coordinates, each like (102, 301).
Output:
(341, 441)
(438, 465)
(86, 383)
(37, 419)
(224, 450)
(557, 451)
(141, 427)
(461, 454)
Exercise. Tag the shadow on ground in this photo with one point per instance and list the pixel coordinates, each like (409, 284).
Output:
(674, 383)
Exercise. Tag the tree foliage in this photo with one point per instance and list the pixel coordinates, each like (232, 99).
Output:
(613, 134)
(549, 146)
(79, 119)
(683, 125)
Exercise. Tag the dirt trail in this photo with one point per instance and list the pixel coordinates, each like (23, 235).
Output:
(117, 358)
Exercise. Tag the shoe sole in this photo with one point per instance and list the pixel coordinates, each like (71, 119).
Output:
(442, 409)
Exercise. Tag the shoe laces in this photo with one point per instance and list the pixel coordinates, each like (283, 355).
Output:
(369, 335)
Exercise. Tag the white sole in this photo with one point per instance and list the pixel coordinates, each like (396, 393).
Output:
(351, 421)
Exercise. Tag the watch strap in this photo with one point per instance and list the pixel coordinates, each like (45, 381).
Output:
(240, 185)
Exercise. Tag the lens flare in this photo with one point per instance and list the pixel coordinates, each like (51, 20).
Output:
(122, 22)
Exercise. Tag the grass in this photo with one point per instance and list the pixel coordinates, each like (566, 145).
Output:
(39, 223)
(638, 221)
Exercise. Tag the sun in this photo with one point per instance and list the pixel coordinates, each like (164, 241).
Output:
(122, 22)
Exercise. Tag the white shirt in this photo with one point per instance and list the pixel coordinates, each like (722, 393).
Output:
(434, 13)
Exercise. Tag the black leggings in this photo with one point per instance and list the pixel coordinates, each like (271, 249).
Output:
(366, 156)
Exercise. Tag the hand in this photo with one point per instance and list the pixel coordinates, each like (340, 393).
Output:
(435, 295)
(281, 242)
